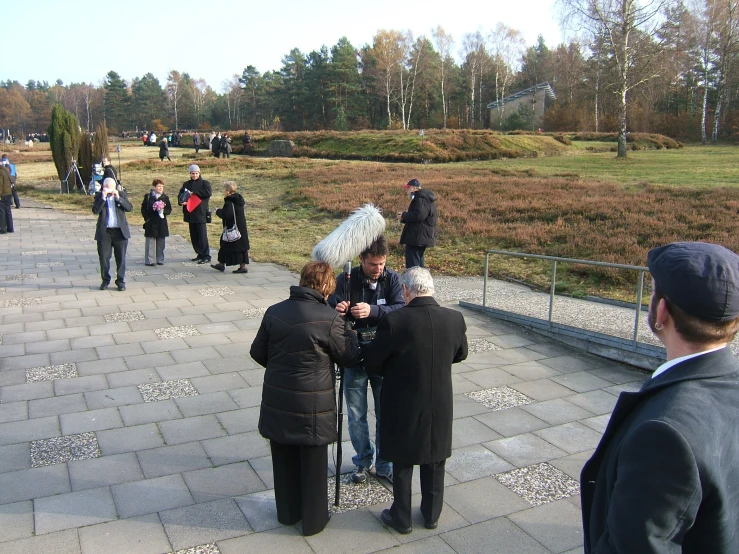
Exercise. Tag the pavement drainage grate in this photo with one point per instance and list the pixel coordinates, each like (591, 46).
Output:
(15, 302)
(49, 264)
(124, 316)
(34, 252)
(51, 372)
(69, 448)
(21, 276)
(221, 291)
(539, 483)
(202, 549)
(136, 273)
(481, 345)
(176, 388)
(182, 275)
(500, 398)
(254, 313)
(178, 332)
(357, 495)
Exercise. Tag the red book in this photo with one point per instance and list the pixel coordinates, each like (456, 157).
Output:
(192, 202)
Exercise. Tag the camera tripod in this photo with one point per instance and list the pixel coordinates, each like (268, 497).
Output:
(64, 185)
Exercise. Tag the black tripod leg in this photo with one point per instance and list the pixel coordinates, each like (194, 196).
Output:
(339, 453)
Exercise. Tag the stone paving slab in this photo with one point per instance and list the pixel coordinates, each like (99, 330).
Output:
(180, 473)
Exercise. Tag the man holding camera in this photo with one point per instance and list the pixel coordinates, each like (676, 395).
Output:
(198, 217)
(112, 231)
(374, 290)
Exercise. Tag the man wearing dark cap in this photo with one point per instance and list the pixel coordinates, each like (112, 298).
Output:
(198, 216)
(420, 223)
(665, 476)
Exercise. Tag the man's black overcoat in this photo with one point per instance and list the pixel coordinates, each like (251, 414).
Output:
(199, 187)
(414, 350)
(665, 476)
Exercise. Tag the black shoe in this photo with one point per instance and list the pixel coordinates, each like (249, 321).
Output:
(431, 524)
(150, 265)
(241, 270)
(220, 268)
(195, 259)
(104, 285)
(388, 521)
(121, 287)
(359, 475)
(204, 261)
(160, 263)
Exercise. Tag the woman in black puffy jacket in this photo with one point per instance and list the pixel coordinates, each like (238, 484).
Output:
(299, 342)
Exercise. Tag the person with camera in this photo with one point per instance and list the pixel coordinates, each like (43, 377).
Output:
(108, 170)
(6, 200)
(374, 290)
(419, 230)
(198, 217)
(13, 176)
(112, 231)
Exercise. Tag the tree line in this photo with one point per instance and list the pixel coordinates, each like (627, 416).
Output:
(665, 66)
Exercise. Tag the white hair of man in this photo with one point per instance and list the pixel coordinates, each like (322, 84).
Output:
(418, 281)
(109, 182)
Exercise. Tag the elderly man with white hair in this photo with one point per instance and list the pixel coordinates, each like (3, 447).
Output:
(112, 232)
(414, 350)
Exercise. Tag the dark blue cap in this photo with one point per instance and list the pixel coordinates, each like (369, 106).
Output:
(413, 183)
(700, 278)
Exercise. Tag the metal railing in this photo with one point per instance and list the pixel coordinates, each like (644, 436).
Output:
(554, 260)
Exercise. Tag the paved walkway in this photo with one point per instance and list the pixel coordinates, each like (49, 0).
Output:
(128, 420)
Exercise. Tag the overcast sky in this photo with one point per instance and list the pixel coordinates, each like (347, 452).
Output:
(81, 40)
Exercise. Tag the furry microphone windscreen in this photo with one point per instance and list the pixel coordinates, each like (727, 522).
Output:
(354, 234)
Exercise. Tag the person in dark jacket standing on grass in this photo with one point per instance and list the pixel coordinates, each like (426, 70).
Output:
(299, 341)
(232, 213)
(197, 219)
(196, 141)
(420, 223)
(164, 150)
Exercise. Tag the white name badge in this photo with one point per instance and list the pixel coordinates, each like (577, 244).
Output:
(381, 302)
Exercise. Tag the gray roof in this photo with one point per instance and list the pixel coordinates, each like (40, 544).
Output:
(548, 90)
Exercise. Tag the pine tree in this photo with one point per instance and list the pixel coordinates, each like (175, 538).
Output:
(85, 158)
(64, 137)
(100, 142)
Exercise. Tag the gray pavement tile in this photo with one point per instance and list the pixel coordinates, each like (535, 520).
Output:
(491, 377)
(126, 536)
(247, 397)
(508, 539)
(597, 423)
(205, 404)
(464, 406)
(109, 328)
(28, 484)
(8, 350)
(429, 545)
(12, 377)
(483, 499)
(285, 540)
(129, 439)
(467, 431)
(626, 387)
(597, 402)
(158, 345)
(619, 375)
(95, 341)
(207, 340)
(263, 467)
(92, 420)
(570, 437)
(74, 509)
(153, 412)
(47, 346)
(147, 361)
(569, 363)
(460, 385)
(119, 350)
(255, 377)
(29, 429)
(236, 448)
(183, 371)
(133, 337)
(104, 471)
(111, 398)
(572, 464)
(191, 429)
(354, 531)
(553, 349)
(195, 354)
(27, 391)
(512, 421)
(216, 383)
(151, 495)
(14, 457)
(13, 411)
(529, 371)
(240, 421)
(63, 542)
(542, 389)
(235, 350)
(204, 523)
(474, 462)
(173, 459)
(513, 340)
(524, 450)
(131, 378)
(99, 367)
(45, 407)
(260, 510)
(67, 333)
(557, 411)
(16, 521)
(23, 338)
(79, 384)
(73, 356)
(558, 525)
(228, 365)
(581, 381)
(222, 482)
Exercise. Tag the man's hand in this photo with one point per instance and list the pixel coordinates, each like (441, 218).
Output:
(342, 307)
(361, 310)
(399, 216)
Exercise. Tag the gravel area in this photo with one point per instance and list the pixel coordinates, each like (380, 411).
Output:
(539, 483)
(202, 549)
(87, 239)
(181, 331)
(500, 398)
(136, 273)
(15, 302)
(190, 264)
(2, 290)
(254, 313)
(124, 316)
(481, 345)
(220, 291)
(49, 264)
(51, 372)
(182, 275)
(355, 495)
(69, 448)
(164, 390)
(34, 252)
(21, 276)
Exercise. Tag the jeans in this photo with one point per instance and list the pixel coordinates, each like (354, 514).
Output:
(414, 256)
(356, 380)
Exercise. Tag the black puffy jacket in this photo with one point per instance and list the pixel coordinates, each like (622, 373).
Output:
(298, 342)
(420, 220)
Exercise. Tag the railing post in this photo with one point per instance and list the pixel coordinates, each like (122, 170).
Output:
(485, 281)
(637, 318)
(551, 290)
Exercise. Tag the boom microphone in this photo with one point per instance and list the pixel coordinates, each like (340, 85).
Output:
(354, 234)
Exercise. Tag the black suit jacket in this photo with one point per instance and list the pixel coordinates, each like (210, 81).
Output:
(100, 207)
(665, 476)
(414, 350)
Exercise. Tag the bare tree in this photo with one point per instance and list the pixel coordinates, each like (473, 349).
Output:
(507, 46)
(409, 68)
(444, 44)
(388, 53)
(473, 47)
(174, 93)
(199, 93)
(627, 28)
(724, 17)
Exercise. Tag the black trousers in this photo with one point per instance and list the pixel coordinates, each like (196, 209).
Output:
(6, 214)
(199, 238)
(16, 198)
(414, 256)
(113, 242)
(432, 492)
(301, 486)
